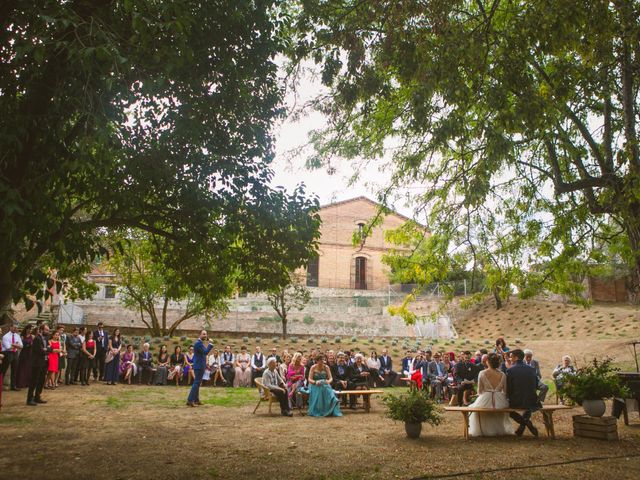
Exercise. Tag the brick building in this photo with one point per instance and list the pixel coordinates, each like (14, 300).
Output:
(340, 264)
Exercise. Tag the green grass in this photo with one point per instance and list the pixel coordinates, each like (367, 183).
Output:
(14, 420)
(228, 397)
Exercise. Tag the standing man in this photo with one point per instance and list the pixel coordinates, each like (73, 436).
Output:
(521, 389)
(74, 345)
(102, 345)
(39, 353)
(11, 346)
(200, 353)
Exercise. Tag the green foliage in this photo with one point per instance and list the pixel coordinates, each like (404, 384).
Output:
(324, 339)
(596, 381)
(516, 118)
(414, 407)
(245, 339)
(292, 294)
(144, 115)
(337, 339)
(258, 340)
(294, 339)
(308, 320)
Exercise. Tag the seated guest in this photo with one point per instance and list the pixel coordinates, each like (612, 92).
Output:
(477, 358)
(427, 373)
(272, 380)
(322, 399)
(438, 376)
(373, 364)
(560, 374)
(506, 362)
(206, 376)
(331, 358)
(464, 375)
(284, 366)
(415, 371)
(295, 379)
(258, 365)
(341, 374)
(243, 369)
(215, 362)
(274, 354)
(543, 388)
(176, 363)
(501, 346)
(145, 364)
(359, 378)
(407, 362)
(228, 366)
(386, 369)
(188, 374)
(162, 369)
(128, 367)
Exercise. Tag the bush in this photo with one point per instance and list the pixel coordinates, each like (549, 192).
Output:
(324, 339)
(275, 339)
(182, 339)
(416, 407)
(166, 338)
(294, 339)
(245, 339)
(147, 338)
(596, 381)
(354, 339)
(157, 341)
(187, 343)
(258, 339)
(337, 339)
(308, 320)
(310, 340)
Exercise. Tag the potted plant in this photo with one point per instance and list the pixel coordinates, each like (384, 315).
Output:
(593, 383)
(413, 409)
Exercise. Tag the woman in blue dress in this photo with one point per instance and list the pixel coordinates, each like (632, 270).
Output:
(322, 399)
(112, 369)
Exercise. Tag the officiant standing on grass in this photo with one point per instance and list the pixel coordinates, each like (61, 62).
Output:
(199, 364)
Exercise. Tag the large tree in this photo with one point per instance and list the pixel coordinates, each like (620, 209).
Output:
(148, 115)
(514, 123)
(292, 295)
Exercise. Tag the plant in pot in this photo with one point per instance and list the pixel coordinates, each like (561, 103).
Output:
(413, 409)
(592, 384)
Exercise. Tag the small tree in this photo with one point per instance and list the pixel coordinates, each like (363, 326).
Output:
(148, 286)
(293, 295)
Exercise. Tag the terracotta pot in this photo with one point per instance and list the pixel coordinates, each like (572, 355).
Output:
(594, 408)
(413, 429)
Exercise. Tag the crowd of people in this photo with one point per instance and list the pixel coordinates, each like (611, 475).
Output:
(40, 359)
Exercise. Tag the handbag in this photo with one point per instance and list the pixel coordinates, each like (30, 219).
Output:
(109, 357)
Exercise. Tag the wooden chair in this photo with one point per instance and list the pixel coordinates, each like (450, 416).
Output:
(264, 395)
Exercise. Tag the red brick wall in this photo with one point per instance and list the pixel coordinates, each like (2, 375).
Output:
(608, 289)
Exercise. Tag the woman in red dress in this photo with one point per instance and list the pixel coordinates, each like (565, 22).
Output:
(54, 356)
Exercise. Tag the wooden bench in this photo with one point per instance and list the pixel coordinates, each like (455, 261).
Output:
(412, 384)
(547, 415)
(366, 396)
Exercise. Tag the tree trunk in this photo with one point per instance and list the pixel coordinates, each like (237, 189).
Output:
(496, 296)
(284, 327)
(6, 295)
(633, 281)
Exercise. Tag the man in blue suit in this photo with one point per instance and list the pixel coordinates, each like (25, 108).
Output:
(522, 383)
(199, 363)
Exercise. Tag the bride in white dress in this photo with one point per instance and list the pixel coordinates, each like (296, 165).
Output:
(492, 393)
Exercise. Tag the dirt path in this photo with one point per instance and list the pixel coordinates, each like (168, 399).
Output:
(145, 433)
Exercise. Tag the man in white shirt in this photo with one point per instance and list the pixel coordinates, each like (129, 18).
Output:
(258, 365)
(11, 346)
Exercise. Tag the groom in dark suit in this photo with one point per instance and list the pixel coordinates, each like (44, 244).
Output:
(200, 353)
(522, 384)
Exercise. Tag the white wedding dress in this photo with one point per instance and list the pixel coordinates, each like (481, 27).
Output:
(491, 424)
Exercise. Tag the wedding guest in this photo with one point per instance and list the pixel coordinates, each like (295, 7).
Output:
(284, 366)
(11, 347)
(74, 347)
(53, 358)
(62, 360)
(560, 374)
(162, 369)
(87, 358)
(145, 364)
(521, 390)
(439, 377)
(198, 367)
(112, 360)
(331, 358)
(407, 363)
(360, 375)
(1, 377)
(341, 374)
(102, 341)
(243, 369)
(386, 369)
(415, 371)
(501, 346)
(39, 364)
(464, 375)
(295, 380)
(274, 353)
(258, 365)
(24, 360)
(373, 364)
(128, 367)
(272, 381)
(176, 364)
(543, 388)
(188, 374)
(214, 363)
(228, 366)
(427, 374)
(322, 399)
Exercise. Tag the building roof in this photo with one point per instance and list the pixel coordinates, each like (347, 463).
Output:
(368, 200)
